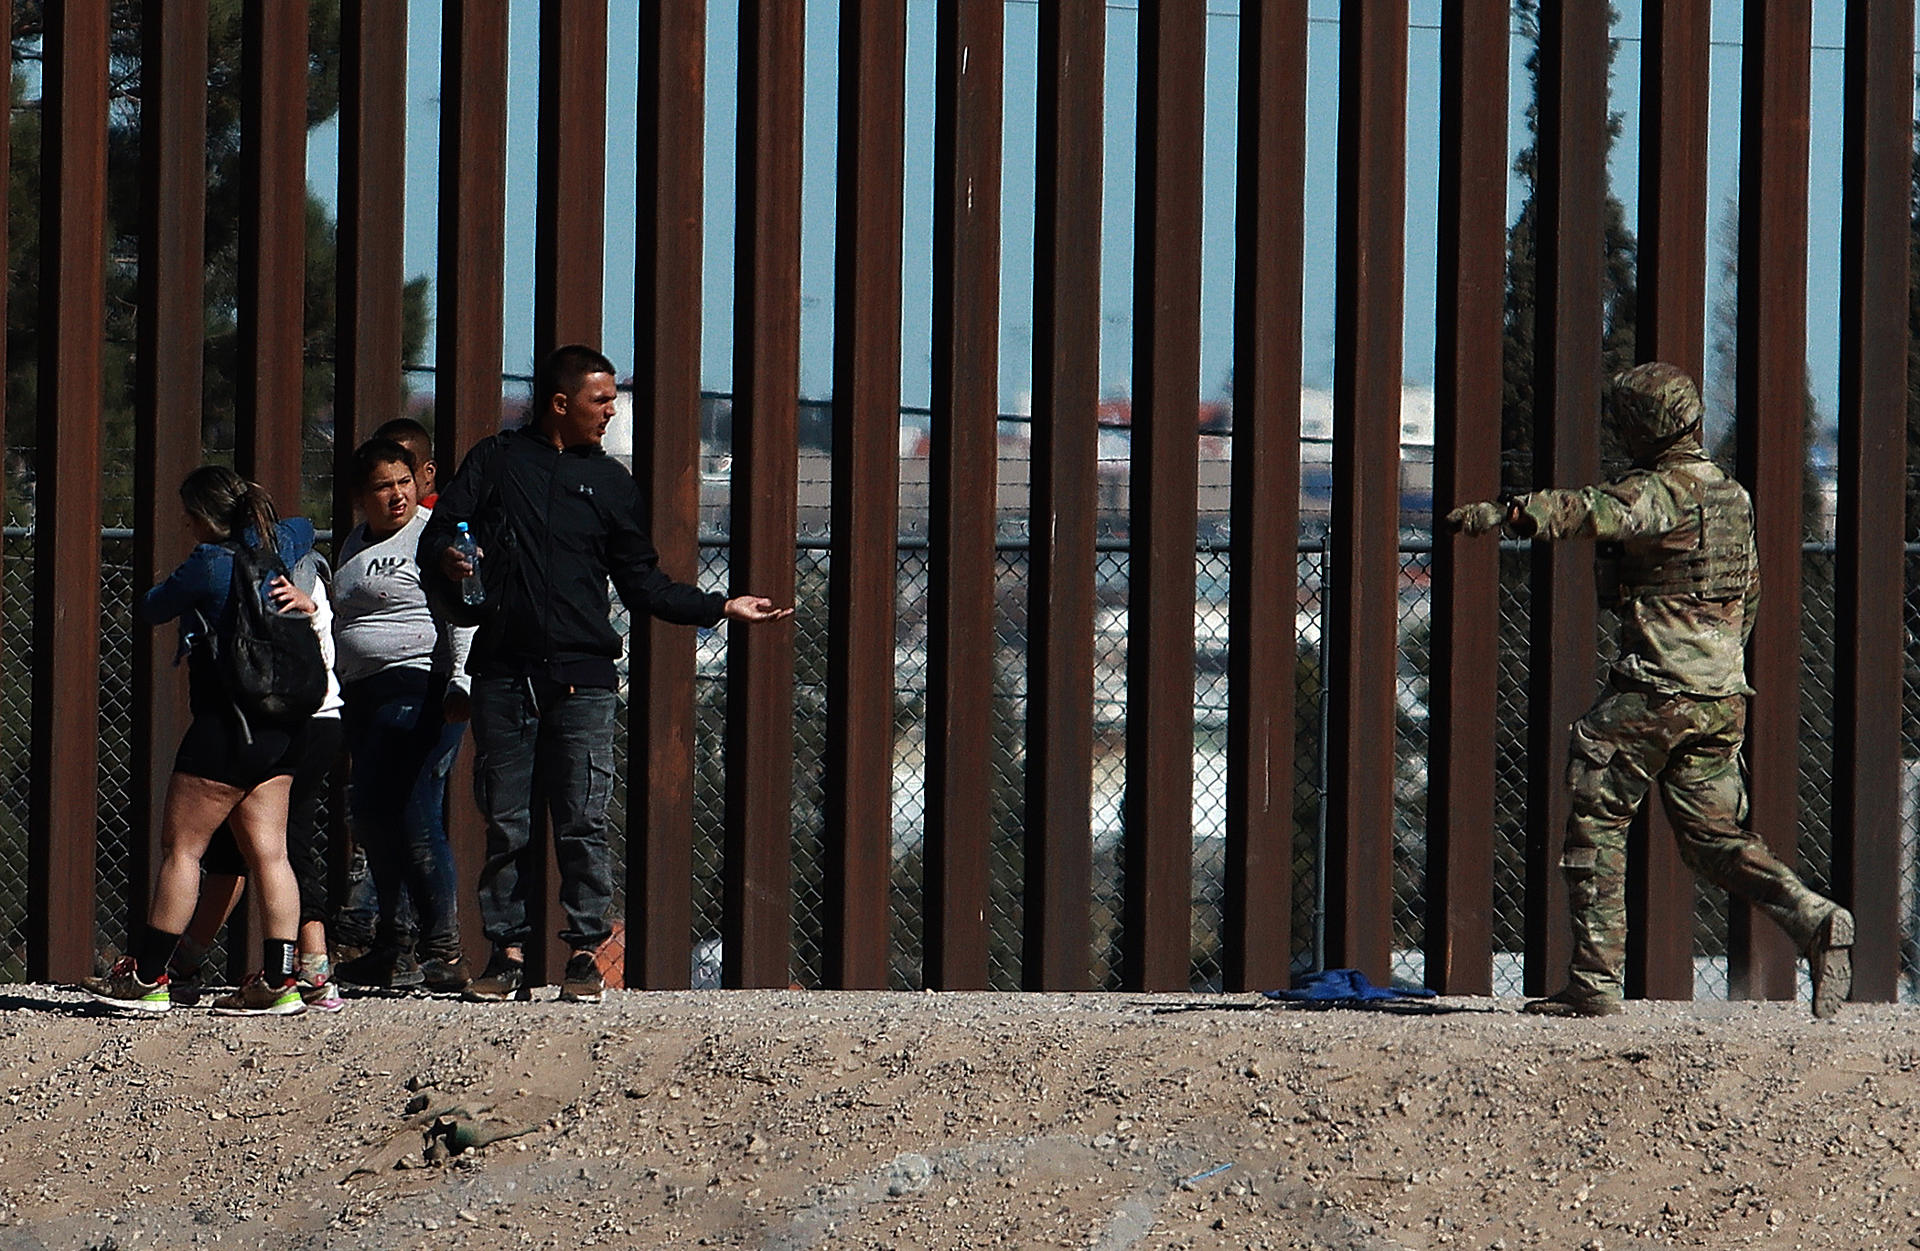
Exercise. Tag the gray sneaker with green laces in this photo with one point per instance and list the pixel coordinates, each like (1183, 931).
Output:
(122, 988)
(259, 997)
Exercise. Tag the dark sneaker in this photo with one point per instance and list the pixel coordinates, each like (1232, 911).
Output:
(187, 985)
(189, 975)
(1830, 961)
(384, 968)
(583, 983)
(406, 971)
(504, 979)
(259, 997)
(122, 988)
(1571, 1002)
(445, 977)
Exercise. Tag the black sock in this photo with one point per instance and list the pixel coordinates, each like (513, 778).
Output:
(278, 961)
(152, 951)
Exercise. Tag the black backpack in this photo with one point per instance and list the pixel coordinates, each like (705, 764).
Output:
(270, 660)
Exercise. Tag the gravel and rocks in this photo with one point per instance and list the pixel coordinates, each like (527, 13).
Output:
(808, 1121)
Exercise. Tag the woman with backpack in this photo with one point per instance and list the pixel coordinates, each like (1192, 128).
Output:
(225, 868)
(237, 758)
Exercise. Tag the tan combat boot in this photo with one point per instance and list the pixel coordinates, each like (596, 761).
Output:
(1574, 1002)
(1830, 961)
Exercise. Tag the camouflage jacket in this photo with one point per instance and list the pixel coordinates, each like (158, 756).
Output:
(1681, 643)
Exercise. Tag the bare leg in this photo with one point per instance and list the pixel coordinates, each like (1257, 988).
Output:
(313, 939)
(195, 808)
(260, 826)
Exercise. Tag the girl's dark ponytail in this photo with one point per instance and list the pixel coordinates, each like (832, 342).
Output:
(256, 508)
(230, 505)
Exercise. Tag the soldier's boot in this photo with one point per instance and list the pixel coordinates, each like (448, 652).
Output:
(1599, 945)
(1830, 961)
(1575, 1001)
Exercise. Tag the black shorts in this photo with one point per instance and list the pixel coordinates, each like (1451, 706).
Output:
(306, 850)
(213, 748)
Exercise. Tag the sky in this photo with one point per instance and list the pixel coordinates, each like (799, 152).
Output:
(1022, 20)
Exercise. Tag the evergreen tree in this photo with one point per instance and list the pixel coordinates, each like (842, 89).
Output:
(1621, 257)
(224, 208)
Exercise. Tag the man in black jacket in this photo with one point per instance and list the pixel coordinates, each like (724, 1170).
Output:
(555, 518)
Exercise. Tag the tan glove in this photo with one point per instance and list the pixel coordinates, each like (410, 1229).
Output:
(1473, 520)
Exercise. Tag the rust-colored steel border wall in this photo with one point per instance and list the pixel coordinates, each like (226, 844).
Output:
(1364, 573)
(1671, 326)
(1271, 161)
(1066, 398)
(1466, 572)
(172, 320)
(66, 549)
(373, 165)
(468, 318)
(570, 227)
(1875, 242)
(1363, 567)
(966, 354)
(863, 571)
(1566, 443)
(273, 248)
(666, 460)
(766, 373)
(1769, 396)
(1158, 875)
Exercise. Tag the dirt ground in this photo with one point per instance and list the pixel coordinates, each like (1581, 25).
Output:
(794, 1121)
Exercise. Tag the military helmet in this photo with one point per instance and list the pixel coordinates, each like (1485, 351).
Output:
(1655, 404)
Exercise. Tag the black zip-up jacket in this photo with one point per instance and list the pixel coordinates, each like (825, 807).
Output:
(555, 526)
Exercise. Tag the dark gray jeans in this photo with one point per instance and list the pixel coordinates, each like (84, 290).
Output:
(535, 738)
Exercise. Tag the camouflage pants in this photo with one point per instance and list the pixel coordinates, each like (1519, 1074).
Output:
(1692, 747)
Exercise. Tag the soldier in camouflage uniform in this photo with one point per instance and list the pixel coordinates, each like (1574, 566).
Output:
(1675, 705)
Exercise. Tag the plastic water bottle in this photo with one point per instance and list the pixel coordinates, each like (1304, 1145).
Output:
(471, 592)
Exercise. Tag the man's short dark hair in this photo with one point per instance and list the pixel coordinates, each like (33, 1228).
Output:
(375, 452)
(408, 433)
(563, 372)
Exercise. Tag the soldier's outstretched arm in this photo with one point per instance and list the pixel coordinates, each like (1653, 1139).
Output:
(1473, 520)
(1637, 505)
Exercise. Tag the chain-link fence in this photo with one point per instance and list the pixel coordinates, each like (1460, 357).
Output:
(113, 863)
(1006, 865)
(16, 691)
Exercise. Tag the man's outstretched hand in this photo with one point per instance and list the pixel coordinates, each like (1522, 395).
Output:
(1474, 520)
(754, 608)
